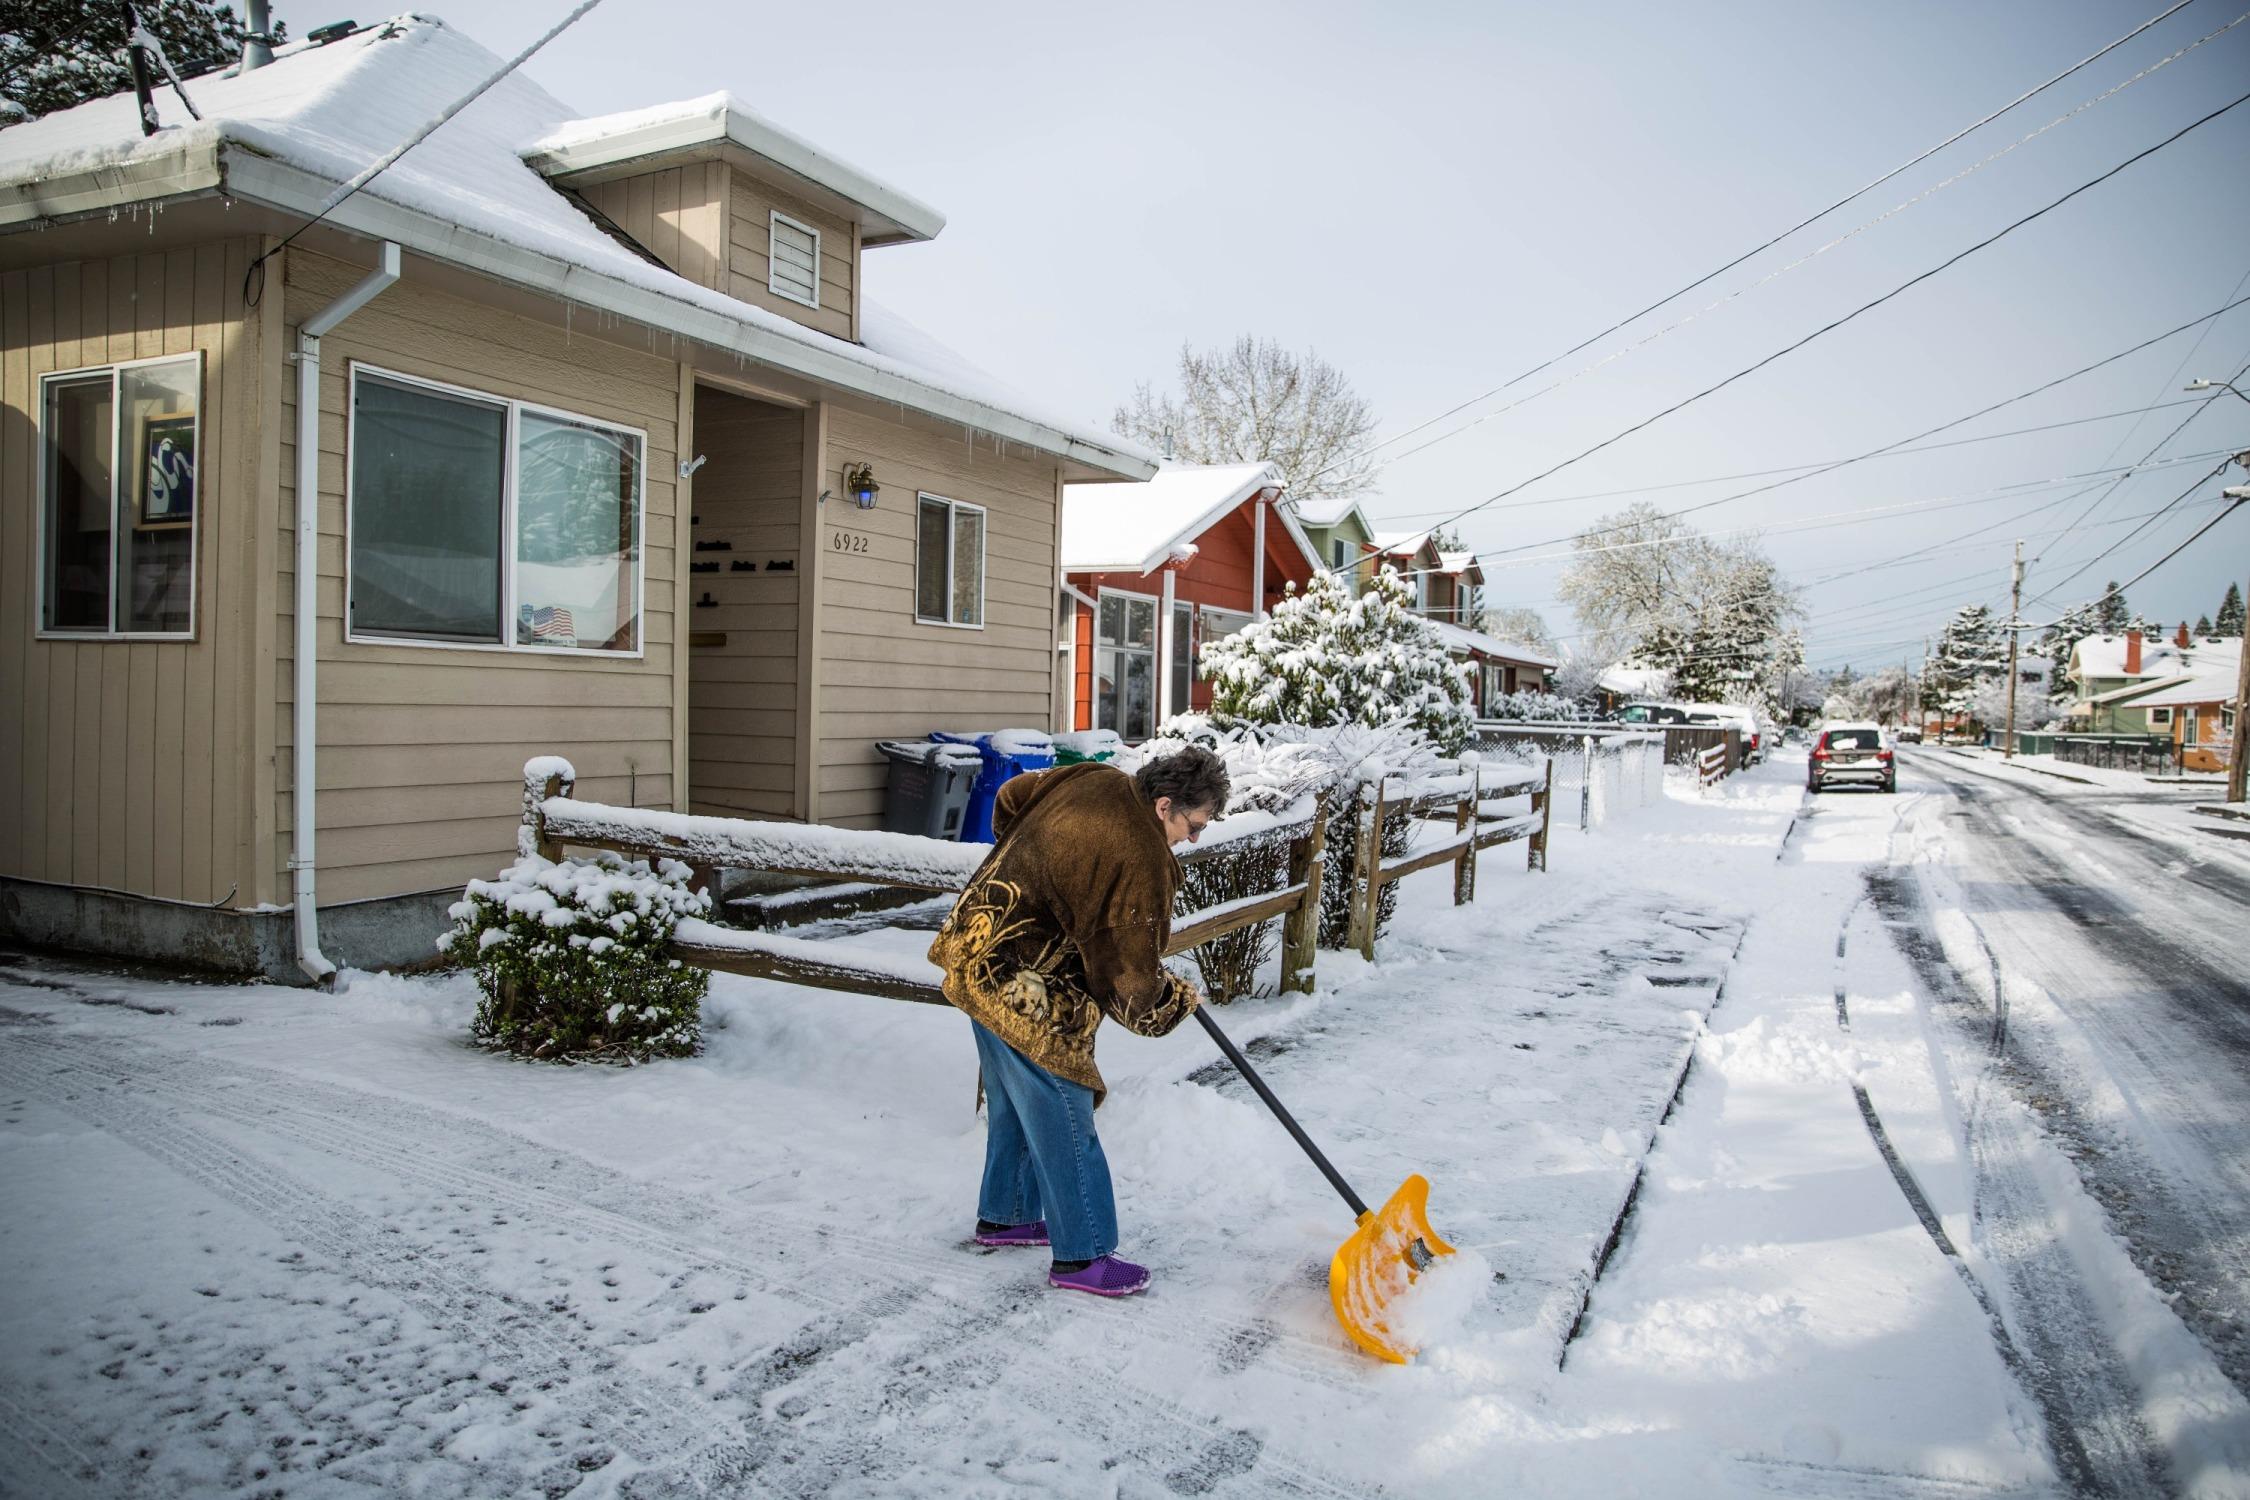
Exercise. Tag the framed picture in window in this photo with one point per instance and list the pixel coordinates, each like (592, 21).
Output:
(167, 469)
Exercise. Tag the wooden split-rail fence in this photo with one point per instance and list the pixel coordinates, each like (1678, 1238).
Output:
(1477, 825)
(555, 822)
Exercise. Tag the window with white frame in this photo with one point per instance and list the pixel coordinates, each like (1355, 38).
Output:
(1193, 628)
(118, 498)
(1125, 665)
(2160, 718)
(476, 520)
(793, 261)
(948, 562)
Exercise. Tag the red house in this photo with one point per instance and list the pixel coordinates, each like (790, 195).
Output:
(1152, 571)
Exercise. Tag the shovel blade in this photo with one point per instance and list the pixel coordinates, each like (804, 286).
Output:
(1385, 1255)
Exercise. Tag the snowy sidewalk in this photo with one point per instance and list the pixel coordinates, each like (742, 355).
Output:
(269, 1240)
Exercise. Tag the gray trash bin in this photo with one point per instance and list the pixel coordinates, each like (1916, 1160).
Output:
(929, 786)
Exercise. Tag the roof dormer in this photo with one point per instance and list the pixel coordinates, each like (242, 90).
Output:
(731, 201)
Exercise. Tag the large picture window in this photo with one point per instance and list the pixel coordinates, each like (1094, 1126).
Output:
(118, 496)
(948, 562)
(1125, 665)
(479, 521)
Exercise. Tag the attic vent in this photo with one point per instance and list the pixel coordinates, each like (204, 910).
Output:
(794, 261)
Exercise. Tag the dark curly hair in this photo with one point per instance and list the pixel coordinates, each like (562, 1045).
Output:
(1193, 778)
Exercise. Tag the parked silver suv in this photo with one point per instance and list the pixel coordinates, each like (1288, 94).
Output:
(1851, 755)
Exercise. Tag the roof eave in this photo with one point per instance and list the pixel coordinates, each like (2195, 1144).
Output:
(187, 170)
(260, 179)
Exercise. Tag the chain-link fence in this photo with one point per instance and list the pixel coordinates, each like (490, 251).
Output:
(1601, 771)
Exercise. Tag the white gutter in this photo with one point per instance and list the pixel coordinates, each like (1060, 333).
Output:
(309, 333)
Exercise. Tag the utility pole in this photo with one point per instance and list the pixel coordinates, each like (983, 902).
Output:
(2015, 633)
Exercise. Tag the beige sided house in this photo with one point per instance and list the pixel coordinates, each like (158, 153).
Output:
(609, 456)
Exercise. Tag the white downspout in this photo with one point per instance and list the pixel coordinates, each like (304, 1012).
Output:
(309, 957)
(1164, 648)
(1258, 557)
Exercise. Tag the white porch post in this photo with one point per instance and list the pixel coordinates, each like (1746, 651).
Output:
(1164, 649)
(1258, 557)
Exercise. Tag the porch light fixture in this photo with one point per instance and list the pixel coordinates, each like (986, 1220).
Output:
(860, 480)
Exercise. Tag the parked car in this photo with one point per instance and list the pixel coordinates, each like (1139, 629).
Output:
(1851, 754)
(1910, 734)
(1757, 733)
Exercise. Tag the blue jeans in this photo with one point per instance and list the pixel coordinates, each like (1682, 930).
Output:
(1041, 1156)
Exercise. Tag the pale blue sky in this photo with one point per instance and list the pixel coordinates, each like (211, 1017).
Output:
(1436, 197)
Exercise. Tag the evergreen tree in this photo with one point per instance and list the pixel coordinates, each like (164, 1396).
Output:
(56, 53)
(1971, 650)
(2061, 638)
(2229, 621)
(2111, 616)
(2202, 624)
(1326, 658)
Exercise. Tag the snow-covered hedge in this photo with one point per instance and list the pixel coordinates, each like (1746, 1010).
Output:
(572, 959)
(1545, 708)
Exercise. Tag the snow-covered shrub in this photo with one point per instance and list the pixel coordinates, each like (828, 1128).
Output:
(573, 959)
(1544, 707)
(1327, 658)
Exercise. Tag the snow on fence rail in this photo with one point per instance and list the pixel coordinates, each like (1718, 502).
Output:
(1711, 767)
(1478, 824)
(554, 820)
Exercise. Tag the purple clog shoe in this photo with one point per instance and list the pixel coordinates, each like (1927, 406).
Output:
(1009, 1236)
(1107, 1277)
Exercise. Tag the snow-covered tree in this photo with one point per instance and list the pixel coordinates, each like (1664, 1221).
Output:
(1327, 658)
(1887, 696)
(1255, 401)
(2229, 620)
(1971, 650)
(2061, 638)
(1513, 622)
(1988, 700)
(2203, 625)
(1713, 616)
(2111, 615)
(56, 53)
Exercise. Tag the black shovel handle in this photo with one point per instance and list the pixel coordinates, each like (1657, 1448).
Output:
(1242, 1065)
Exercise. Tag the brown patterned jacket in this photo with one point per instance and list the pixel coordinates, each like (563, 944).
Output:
(1067, 920)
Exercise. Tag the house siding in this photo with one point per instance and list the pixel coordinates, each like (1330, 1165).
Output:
(882, 674)
(679, 215)
(130, 764)
(422, 748)
(751, 205)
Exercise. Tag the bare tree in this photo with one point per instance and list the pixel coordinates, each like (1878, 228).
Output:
(1256, 400)
(1513, 622)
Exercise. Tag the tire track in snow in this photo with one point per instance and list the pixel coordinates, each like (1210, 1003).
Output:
(38, 1460)
(970, 1332)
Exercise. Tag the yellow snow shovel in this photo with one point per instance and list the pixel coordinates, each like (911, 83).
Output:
(1387, 1252)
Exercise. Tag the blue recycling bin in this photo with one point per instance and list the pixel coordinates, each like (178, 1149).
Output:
(1006, 753)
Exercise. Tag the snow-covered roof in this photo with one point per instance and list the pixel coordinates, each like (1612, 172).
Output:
(1133, 528)
(2104, 656)
(612, 145)
(1330, 512)
(2210, 676)
(1391, 543)
(1461, 638)
(1457, 562)
(286, 135)
(1635, 682)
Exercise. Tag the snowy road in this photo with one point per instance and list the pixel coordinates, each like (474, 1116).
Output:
(2125, 957)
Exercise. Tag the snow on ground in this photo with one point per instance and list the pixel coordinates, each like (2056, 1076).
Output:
(265, 1241)
(2162, 805)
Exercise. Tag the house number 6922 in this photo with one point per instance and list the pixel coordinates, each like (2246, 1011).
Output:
(848, 541)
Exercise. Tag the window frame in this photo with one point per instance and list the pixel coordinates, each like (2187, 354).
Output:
(509, 540)
(2160, 718)
(953, 560)
(776, 218)
(118, 476)
(1154, 650)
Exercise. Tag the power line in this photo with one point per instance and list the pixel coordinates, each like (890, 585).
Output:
(1780, 271)
(1834, 324)
(1824, 463)
(2232, 507)
(1768, 244)
(383, 163)
(2047, 596)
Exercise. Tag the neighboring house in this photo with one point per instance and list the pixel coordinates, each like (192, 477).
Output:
(580, 480)
(1448, 588)
(2192, 704)
(1153, 571)
(2112, 670)
(1342, 536)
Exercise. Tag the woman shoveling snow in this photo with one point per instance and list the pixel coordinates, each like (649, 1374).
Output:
(1067, 921)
